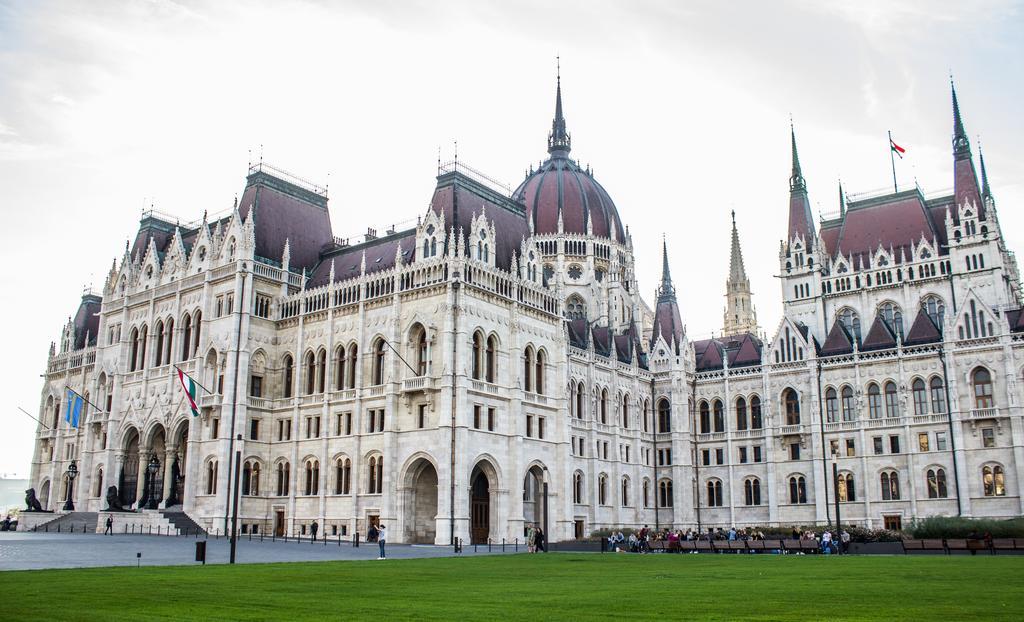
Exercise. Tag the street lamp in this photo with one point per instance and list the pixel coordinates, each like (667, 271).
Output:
(547, 536)
(72, 473)
(835, 492)
(153, 467)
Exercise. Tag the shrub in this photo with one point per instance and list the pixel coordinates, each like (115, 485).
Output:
(956, 527)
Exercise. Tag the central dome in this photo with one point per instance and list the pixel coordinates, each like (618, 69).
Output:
(560, 188)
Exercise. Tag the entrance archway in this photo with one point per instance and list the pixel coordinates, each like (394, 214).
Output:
(533, 496)
(129, 479)
(180, 443)
(44, 495)
(421, 502)
(480, 505)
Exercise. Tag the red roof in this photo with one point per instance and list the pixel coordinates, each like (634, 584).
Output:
(892, 221)
(559, 186)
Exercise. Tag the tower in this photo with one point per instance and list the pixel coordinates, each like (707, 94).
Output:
(739, 316)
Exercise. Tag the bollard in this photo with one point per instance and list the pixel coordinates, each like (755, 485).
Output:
(355, 540)
(474, 547)
(325, 537)
(488, 545)
(58, 528)
(503, 545)
(133, 529)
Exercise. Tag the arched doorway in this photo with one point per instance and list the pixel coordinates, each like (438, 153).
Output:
(479, 505)
(177, 494)
(129, 479)
(44, 495)
(421, 502)
(154, 491)
(533, 496)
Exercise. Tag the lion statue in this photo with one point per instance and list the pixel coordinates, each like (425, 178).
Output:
(32, 504)
(113, 501)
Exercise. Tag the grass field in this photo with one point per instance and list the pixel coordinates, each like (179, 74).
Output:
(535, 587)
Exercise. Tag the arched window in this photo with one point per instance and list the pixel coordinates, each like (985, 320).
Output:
(491, 359)
(602, 489)
(892, 405)
(647, 493)
(664, 418)
(741, 414)
(890, 481)
(647, 415)
(340, 363)
(289, 374)
(321, 371)
(797, 489)
(936, 483)
(580, 402)
(353, 358)
(528, 368)
(283, 478)
(133, 362)
(186, 336)
(938, 395)
(378, 361)
(197, 327)
(831, 405)
(539, 376)
(98, 486)
(792, 403)
(935, 308)
(375, 475)
(312, 477)
(893, 318)
(874, 401)
(310, 373)
(845, 487)
(705, 417)
(143, 340)
(168, 349)
(251, 478)
(625, 411)
(603, 406)
(342, 476)
(577, 487)
(478, 348)
(665, 493)
(211, 477)
(714, 487)
(421, 351)
(982, 381)
(848, 404)
(625, 492)
(850, 321)
(993, 480)
(575, 309)
(752, 491)
(756, 420)
(920, 397)
(718, 409)
(160, 336)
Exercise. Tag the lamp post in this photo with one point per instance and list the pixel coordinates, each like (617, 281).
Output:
(547, 536)
(72, 473)
(152, 467)
(835, 491)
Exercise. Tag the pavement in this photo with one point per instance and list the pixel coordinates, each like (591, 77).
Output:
(34, 551)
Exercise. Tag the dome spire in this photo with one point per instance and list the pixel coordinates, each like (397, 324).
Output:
(666, 291)
(559, 141)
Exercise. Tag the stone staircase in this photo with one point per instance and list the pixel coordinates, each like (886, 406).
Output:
(71, 522)
(182, 521)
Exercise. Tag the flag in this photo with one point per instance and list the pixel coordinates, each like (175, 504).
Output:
(190, 391)
(896, 148)
(74, 409)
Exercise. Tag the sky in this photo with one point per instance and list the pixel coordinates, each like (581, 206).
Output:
(682, 109)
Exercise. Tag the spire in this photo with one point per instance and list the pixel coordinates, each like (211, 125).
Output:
(842, 200)
(739, 316)
(737, 272)
(986, 191)
(961, 146)
(559, 141)
(800, 220)
(666, 292)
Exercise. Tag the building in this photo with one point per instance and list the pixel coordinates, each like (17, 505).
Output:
(496, 366)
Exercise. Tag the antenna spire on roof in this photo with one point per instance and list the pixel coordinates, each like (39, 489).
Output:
(986, 191)
(961, 146)
(559, 141)
(842, 199)
(796, 178)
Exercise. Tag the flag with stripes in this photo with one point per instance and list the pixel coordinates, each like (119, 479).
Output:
(189, 385)
(896, 148)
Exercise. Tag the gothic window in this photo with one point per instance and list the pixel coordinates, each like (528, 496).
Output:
(938, 395)
(197, 326)
(312, 477)
(741, 414)
(893, 318)
(625, 411)
(935, 308)
(797, 489)
(420, 341)
(549, 271)
(575, 309)
(756, 420)
(647, 493)
(892, 405)
(625, 492)
(752, 491)
(170, 341)
(528, 364)
(890, 481)
(848, 404)
(874, 401)
(602, 489)
(705, 417)
(186, 336)
(575, 272)
(289, 373)
(665, 493)
(378, 361)
(158, 359)
(993, 480)
(490, 359)
(133, 359)
(211, 477)
(714, 493)
(664, 417)
(283, 478)
(353, 351)
(792, 404)
(604, 406)
(310, 373)
(936, 483)
(340, 363)
(981, 379)
(719, 416)
(577, 487)
(321, 370)
(850, 321)
(538, 379)
(831, 405)
(343, 476)
(920, 397)
(375, 475)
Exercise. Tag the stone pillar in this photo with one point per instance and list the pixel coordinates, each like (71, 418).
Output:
(141, 481)
(169, 454)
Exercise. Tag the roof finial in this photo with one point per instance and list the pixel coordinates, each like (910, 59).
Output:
(986, 191)
(559, 141)
(796, 178)
(666, 291)
(961, 146)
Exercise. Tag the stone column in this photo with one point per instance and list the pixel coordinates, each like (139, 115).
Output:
(141, 481)
(169, 454)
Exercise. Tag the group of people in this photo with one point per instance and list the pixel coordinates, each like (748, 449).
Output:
(535, 541)
(640, 541)
(7, 523)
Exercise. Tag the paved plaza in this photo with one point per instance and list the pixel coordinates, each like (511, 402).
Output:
(33, 551)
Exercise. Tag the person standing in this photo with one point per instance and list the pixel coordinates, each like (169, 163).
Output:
(313, 529)
(530, 533)
(109, 531)
(540, 540)
(381, 538)
(844, 539)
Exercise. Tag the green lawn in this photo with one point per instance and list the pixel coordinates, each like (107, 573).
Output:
(535, 587)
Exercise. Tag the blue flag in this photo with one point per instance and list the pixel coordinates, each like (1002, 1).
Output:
(74, 408)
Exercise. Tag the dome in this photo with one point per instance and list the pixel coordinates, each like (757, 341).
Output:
(561, 187)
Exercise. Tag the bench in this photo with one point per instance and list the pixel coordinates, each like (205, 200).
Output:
(923, 545)
(703, 546)
(735, 546)
(963, 544)
(1007, 544)
(772, 546)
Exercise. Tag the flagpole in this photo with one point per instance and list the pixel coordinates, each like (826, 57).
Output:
(194, 380)
(84, 399)
(892, 161)
(33, 418)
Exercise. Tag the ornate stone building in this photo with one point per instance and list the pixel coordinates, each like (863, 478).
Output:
(495, 365)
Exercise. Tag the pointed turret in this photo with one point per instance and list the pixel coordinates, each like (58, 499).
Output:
(986, 191)
(668, 323)
(965, 178)
(842, 200)
(739, 316)
(559, 141)
(800, 220)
